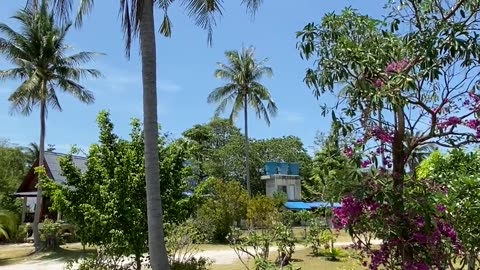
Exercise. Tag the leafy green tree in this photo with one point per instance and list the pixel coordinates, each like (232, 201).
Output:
(138, 19)
(261, 212)
(243, 73)
(224, 203)
(332, 174)
(108, 201)
(44, 68)
(206, 142)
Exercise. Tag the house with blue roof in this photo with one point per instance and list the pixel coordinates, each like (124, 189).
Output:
(285, 177)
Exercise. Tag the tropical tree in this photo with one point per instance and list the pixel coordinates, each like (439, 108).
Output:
(138, 20)
(243, 73)
(38, 53)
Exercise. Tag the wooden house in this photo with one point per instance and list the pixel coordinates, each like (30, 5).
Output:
(28, 190)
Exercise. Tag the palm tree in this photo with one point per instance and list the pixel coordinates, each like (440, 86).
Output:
(243, 73)
(8, 225)
(137, 18)
(419, 153)
(38, 53)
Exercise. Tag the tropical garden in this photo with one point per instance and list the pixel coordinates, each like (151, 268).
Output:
(399, 170)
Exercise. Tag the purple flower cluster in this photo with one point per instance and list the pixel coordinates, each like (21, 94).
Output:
(396, 67)
(382, 135)
(366, 163)
(474, 124)
(348, 152)
(451, 121)
(378, 83)
(429, 241)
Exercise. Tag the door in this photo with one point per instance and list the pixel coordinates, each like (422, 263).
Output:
(291, 193)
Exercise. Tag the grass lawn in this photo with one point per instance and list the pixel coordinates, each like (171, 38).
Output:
(304, 259)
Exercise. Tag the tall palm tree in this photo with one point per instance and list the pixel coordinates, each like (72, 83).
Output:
(137, 18)
(38, 53)
(243, 73)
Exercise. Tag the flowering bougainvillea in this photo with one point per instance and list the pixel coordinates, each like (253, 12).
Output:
(401, 91)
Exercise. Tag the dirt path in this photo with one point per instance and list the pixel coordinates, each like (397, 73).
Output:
(226, 256)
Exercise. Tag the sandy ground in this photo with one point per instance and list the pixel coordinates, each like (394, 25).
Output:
(226, 256)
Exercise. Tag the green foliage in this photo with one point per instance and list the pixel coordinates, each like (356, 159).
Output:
(459, 172)
(304, 217)
(45, 67)
(108, 202)
(225, 204)
(261, 212)
(319, 235)
(332, 174)
(256, 244)
(279, 199)
(181, 242)
(104, 259)
(13, 167)
(50, 234)
(8, 225)
(285, 241)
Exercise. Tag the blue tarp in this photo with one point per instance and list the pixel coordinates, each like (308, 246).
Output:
(309, 205)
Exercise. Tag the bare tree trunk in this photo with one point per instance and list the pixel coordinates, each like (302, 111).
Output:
(156, 241)
(41, 158)
(247, 148)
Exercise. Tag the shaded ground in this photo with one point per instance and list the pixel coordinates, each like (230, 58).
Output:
(223, 256)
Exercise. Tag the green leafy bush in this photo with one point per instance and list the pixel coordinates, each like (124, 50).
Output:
(319, 235)
(285, 240)
(225, 204)
(50, 234)
(106, 259)
(261, 212)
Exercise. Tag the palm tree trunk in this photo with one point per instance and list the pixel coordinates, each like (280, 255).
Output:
(247, 148)
(41, 158)
(156, 241)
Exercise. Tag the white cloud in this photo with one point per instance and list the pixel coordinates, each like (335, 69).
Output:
(292, 117)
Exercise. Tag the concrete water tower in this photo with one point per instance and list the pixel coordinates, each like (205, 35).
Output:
(283, 177)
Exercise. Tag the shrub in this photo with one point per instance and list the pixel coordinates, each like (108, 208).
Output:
(104, 259)
(192, 264)
(285, 240)
(226, 204)
(318, 235)
(261, 212)
(181, 242)
(49, 233)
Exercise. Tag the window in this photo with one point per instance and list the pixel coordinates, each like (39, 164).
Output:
(282, 189)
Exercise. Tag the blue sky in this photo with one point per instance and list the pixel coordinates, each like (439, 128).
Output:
(185, 72)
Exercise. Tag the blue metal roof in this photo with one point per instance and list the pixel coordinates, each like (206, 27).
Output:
(297, 206)
(323, 205)
(309, 205)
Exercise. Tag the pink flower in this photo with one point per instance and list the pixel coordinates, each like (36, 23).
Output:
(378, 83)
(366, 163)
(348, 151)
(396, 67)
